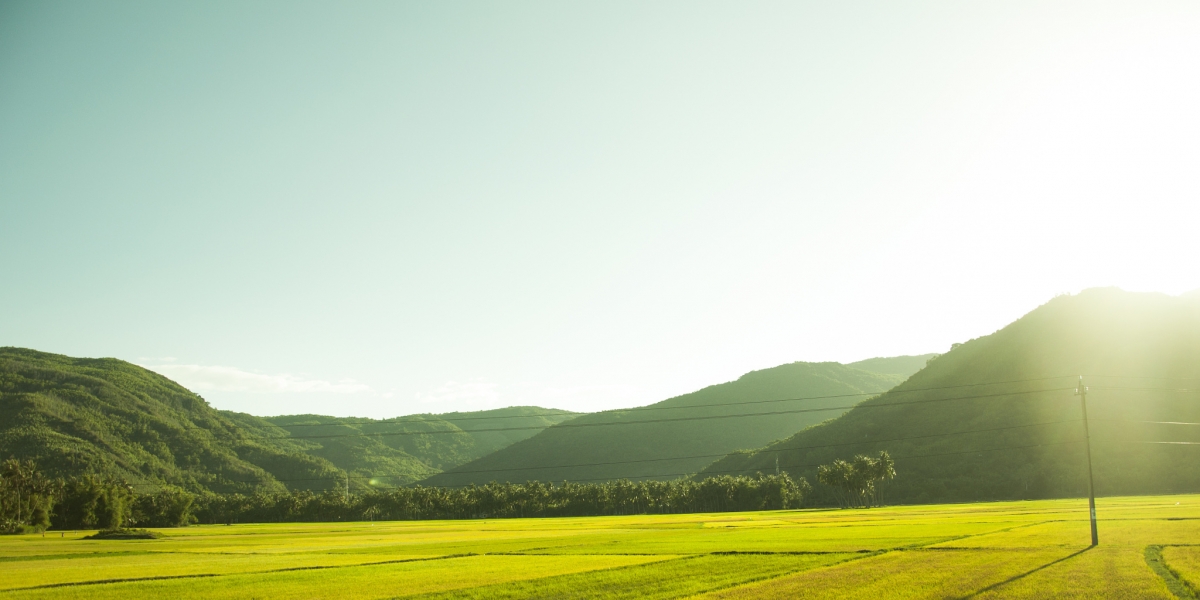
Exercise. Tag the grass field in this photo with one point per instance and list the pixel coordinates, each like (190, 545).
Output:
(995, 550)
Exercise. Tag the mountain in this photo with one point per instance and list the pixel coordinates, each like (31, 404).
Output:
(404, 450)
(110, 417)
(680, 435)
(78, 415)
(904, 366)
(997, 417)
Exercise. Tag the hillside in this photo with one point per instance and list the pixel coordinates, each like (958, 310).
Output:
(79, 415)
(904, 366)
(107, 416)
(647, 442)
(1139, 354)
(392, 451)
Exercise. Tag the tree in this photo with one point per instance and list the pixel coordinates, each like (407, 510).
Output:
(885, 470)
(854, 482)
(39, 519)
(91, 502)
(25, 496)
(167, 508)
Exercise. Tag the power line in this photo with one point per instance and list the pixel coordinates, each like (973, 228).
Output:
(570, 425)
(603, 412)
(1148, 422)
(817, 464)
(876, 405)
(423, 419)
(1145, 377)
(1145, 389)
(863, 442)
(640, 477)
(268, 478)
(855, 443)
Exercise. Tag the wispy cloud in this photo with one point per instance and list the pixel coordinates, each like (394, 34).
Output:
(585, 398)
(232, 379)
(475, 392)
(478, 394)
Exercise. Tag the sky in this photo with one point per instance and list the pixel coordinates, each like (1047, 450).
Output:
(384, 208)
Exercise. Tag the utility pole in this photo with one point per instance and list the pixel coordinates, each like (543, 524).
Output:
(1081, 391)
(777, 464)
(348, 489)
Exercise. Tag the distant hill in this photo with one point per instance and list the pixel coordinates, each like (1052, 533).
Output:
(388, 450)
(1139, 353)
(107, 416)
(645, 443)
(904, 366)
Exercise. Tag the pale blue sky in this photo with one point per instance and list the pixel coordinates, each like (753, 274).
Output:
(384, 208)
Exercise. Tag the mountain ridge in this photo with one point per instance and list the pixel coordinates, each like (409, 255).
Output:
(113, 418)
(1014, 431)
(647, 442)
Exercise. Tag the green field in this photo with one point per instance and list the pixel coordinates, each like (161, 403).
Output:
(1011, 549)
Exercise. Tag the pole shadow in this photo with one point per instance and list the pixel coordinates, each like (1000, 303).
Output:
(1028, 573)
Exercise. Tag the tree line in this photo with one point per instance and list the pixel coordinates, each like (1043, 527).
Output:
(31, 502)
(506, 500)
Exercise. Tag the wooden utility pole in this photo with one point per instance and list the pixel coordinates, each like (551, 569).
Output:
(1081, 391)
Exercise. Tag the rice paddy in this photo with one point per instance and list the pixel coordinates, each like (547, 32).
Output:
(1149, 548)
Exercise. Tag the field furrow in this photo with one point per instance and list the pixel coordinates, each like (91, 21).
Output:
(375, 581)
(668, 579)
(1031, 549)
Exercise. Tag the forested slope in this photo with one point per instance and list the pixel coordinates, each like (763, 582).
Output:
(406, 449)
(904, 366)
(1139, 354)
(674, 437)
(109, 417)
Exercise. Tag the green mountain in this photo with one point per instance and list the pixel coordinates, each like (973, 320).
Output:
(407, 449)
(110, 417)
(997, 417)
(680, 435)
(903, 366)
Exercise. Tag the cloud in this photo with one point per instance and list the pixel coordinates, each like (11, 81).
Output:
(232, 379)
(477, 392)
(585, 398)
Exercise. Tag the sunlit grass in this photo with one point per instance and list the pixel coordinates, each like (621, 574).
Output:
(378, 581)
(1102, 572)
(1001, 549)
(1185, 562)
(668, 579)
(904, 574)
(72, 570)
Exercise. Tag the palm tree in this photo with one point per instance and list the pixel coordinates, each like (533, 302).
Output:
(854, 482)
(20, 476)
